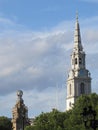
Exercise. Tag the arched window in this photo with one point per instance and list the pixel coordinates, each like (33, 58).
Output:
(70, 89)
(70, 104)
(75, 60)
(82, 88)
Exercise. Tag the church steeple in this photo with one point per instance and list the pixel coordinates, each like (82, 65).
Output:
(79, 80)
(78, 55)
(77, 36)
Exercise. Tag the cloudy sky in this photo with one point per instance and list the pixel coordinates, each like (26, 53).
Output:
(36, 40)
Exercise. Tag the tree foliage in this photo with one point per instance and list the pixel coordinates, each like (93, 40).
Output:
(69, 120)
(5, 123)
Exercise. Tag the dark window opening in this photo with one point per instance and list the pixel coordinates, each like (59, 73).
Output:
(82, 88)
(70, 104)
(70, 89)
(80, 61)
(75, 60)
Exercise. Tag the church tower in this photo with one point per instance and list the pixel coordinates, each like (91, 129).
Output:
(79, 80)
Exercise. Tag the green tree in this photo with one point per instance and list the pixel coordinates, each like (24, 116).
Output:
(5, 123)
(69, 120)
(29, 128)
(76, 119)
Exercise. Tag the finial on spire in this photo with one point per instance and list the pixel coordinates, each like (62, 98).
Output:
(77, 15)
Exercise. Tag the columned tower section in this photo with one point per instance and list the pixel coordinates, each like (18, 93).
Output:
(79, 79)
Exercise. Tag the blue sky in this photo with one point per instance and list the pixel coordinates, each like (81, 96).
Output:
(36, 40)
(35, 14)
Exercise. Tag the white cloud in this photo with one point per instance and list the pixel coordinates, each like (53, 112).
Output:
(36, 61)
(36, 102)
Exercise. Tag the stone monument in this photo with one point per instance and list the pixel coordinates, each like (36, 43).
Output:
(19, 113)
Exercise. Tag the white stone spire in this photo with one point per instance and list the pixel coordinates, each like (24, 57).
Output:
(77, 36)
(78, 55)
